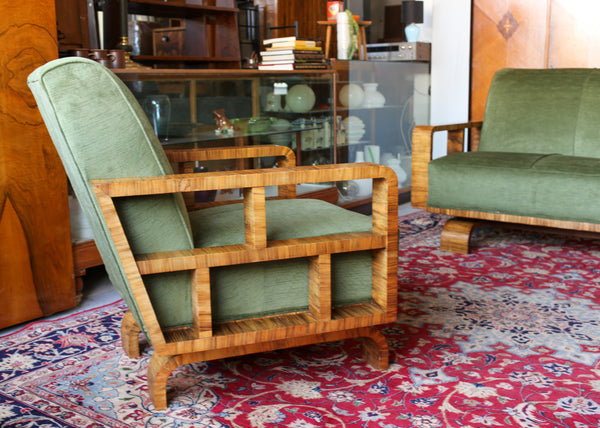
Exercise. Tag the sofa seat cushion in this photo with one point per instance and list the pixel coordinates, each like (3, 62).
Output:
(259, 289)
(525, 184)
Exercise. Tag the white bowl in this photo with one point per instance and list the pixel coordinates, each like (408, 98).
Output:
(352, 121)
(281, 125)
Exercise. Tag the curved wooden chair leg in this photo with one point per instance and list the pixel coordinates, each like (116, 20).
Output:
(159, 369)
(456, 235)
(375, 349)
(130, 335)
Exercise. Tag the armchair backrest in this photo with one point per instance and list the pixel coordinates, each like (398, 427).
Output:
(100, 131)
(543, 111)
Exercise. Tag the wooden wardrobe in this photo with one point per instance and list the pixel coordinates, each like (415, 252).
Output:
(530, 34)
(36, 264)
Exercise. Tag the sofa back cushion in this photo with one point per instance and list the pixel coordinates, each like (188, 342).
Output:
(543, 111)
(100, 131)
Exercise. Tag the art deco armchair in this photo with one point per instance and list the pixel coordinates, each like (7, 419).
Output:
(229, 279)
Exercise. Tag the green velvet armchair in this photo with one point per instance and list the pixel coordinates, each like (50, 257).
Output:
(229, 279)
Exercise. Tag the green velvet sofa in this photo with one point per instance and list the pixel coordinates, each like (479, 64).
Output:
(535, 158)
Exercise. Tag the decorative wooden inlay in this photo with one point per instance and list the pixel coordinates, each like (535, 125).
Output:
(507, 25)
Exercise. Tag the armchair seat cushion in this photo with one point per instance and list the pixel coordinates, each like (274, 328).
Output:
(281, 286)
(526, 184)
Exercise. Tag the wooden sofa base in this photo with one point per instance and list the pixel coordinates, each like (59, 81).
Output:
(374, 350)
(457, 232)
(456, 235)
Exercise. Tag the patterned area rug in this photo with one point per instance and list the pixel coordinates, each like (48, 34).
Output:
(506, 336)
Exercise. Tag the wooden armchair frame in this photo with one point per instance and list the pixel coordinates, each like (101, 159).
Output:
(456, 233)
(207, 340)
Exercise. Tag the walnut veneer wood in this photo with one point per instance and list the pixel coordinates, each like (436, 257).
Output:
(36, 267)
(456, 233)
(206, 339)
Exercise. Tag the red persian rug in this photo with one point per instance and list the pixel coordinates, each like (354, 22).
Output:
(506, 336)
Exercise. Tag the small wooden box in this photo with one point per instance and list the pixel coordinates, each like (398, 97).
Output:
(168, 41)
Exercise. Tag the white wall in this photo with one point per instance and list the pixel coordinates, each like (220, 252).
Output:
(450, 65)
(447, 25)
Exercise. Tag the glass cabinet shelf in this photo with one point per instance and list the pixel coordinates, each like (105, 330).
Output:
(199, 136)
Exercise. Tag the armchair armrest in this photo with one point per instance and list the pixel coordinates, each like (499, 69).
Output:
(422, 151)
(384, 200)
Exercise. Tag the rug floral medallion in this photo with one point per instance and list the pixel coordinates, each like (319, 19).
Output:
(506, 336)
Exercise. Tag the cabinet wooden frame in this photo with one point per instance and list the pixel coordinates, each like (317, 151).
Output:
(206, 339)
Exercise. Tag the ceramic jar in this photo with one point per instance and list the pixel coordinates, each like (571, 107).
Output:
(372, 97)
(394, 163)
(343, 36)
(273, 102)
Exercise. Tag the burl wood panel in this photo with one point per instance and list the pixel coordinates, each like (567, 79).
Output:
(530, 34)
(506, 33)
(36, 266)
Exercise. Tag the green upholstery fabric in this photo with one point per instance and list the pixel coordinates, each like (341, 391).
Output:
(538, 111)
(100, 131)
(546, 186)
(539, 153)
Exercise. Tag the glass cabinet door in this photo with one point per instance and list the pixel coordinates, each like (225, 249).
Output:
(207, 108)
(378, 105)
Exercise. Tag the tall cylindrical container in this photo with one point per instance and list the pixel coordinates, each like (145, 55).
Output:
(343, 35)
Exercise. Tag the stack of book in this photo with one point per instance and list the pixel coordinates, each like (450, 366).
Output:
(292, 53)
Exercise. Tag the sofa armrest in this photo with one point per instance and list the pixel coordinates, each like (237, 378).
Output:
(422, 151)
